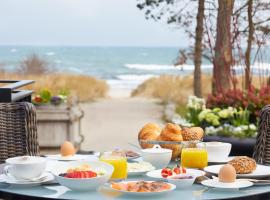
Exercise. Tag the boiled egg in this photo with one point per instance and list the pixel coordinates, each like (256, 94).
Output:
(67, 149)
(227, 174)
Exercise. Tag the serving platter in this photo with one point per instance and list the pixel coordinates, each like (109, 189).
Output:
(144, 193)
(260, 172)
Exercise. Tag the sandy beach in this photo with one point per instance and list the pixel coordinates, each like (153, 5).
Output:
(114, 122)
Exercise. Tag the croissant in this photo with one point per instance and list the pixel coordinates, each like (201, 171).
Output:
(149, 132)
(171, 132)
(194, 133)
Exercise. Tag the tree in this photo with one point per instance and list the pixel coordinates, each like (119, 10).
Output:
(181, 12)
(223, 48)
(249, 45)
(230, 30)
(198, 50)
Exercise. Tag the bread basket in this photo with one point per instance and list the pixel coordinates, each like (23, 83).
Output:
(176, 146)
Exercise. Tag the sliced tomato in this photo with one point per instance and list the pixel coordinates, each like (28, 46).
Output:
(179, 170)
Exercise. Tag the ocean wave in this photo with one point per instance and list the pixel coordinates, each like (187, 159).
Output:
(150, 67)
(129, 81)
(51, 53)
(13, 50)
(156, 67)
(134, 77)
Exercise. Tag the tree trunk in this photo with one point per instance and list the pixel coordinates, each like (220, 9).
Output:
(198, 50)
(249, 45)
(223, 48)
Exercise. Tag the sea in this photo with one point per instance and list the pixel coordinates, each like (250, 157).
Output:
(121, 67)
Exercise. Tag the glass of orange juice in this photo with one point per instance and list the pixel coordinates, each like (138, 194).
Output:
(119, 161)
(194, 155)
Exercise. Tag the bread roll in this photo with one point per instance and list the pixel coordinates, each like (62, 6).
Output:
(194, 133)
(171, 132)
(243, 164)
(149, 132)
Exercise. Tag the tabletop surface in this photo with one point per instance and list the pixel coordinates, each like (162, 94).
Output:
(195, 192)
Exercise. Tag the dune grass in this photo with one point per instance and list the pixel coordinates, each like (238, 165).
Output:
(179, 88)
(86, 88)
(171, 88)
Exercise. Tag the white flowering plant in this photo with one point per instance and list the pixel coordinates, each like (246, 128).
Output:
(242, 131)
(194, 106)
(228, 121)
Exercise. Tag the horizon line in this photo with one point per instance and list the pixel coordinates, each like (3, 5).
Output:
(102, 46)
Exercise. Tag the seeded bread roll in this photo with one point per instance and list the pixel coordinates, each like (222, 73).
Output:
(243, 164)
(194, 133)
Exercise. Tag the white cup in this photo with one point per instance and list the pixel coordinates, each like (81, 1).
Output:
(218, 151)
(157, 156)
(25, 167)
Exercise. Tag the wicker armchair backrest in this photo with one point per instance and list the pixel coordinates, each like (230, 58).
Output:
(262, 147)
(18, 130)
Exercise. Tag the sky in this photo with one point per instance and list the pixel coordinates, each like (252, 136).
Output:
(82, 22)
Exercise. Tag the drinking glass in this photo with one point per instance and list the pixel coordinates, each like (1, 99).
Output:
(119, 161)
(194, 155)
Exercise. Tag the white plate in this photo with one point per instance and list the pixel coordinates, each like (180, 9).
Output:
(144, 193)
(157, 173)
(146, 167)
(260, 172)
(71, 158)
(222, 161)
(13, 181)
(235, 185)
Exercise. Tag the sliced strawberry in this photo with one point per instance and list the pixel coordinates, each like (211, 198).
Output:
(81, 174)
(166, 172)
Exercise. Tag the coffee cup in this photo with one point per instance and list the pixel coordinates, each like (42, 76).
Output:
(218, 151)
(25, 167)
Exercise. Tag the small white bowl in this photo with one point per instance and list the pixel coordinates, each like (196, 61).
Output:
(182, 183)
(83, 184)
(157, 156)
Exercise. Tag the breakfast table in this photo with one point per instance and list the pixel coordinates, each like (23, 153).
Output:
(197, 191)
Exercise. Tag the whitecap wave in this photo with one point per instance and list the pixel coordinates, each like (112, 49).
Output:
(156, 67)
(130, 81)
(135, 77)
(13, 50)
(256, 67)
(51, 53)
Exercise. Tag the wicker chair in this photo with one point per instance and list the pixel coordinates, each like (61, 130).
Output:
(262, 147)
(18, 130)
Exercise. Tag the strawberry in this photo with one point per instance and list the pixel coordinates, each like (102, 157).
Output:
(81, 174)
(166, 172)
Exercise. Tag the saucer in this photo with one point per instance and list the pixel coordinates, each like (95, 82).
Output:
(48, 177)
(260, 171)
(221, 160)
(235, 185)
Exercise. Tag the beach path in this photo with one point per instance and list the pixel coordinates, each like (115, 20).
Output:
(115, 122)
